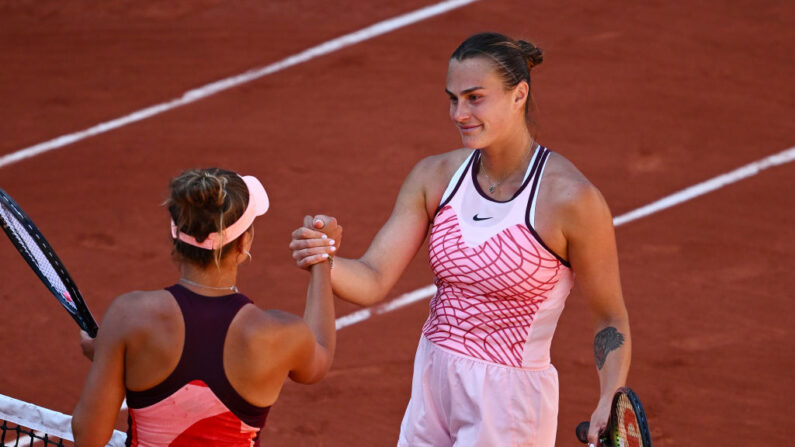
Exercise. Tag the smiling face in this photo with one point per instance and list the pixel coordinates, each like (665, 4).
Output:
(480, 106)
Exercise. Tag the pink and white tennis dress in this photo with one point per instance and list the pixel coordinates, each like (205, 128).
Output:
(482, 373)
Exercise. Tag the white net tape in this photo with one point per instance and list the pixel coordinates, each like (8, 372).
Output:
(43, 420)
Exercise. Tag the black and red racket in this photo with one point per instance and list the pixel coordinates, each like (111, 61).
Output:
(627, 425)
(38, 253)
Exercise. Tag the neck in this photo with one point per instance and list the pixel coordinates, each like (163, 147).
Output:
(508, 156)
(211, 280)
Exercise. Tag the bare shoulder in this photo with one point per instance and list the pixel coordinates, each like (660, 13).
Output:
(270, 318)
(156, 301)
(139, 311)
(266, 327)
(433, 173)
(446, 162)
(439, 168)
(564, 177)
(578, 200)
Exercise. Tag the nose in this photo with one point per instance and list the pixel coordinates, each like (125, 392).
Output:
(459, 112)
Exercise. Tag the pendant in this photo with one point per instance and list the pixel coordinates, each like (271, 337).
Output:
(492, 188)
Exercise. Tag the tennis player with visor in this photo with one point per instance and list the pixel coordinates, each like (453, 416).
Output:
(198, 362)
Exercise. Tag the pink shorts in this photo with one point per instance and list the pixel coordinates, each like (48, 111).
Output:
(462, 401)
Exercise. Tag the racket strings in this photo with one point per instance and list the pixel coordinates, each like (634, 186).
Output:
(627, 432)
(20, 232)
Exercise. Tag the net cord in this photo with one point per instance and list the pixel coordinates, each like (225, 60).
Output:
(45, 420)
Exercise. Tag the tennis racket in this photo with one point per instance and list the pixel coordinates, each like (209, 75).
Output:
(626, 427)
(38, 253)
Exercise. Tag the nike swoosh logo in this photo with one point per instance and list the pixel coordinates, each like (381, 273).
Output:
(478, 219)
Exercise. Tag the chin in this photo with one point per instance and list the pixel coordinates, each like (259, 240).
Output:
(471, 142)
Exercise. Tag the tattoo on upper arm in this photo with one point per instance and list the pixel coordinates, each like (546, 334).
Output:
(608, 339)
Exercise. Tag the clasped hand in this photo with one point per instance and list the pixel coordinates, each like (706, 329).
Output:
(316, 241)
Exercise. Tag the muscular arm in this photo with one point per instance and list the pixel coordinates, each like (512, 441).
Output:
(367, 280)
(103, 392)
(593, 256)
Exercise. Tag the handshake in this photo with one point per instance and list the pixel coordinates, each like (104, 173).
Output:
(316, 241)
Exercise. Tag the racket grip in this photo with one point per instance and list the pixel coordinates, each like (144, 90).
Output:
(582, 431)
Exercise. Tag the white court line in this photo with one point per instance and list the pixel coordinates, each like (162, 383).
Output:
(194, 95)
(337, 44)
(677, 198)
(397, 303)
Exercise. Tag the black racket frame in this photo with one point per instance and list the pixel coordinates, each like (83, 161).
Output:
(82, 315)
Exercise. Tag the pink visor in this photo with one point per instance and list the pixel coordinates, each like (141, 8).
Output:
(257, 205)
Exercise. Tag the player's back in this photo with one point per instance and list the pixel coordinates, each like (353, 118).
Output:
(178, 390)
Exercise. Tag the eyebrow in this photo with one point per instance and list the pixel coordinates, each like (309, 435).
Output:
(464, 92)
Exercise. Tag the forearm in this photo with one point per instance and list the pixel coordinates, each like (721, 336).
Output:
(91, 429)
(356, 281)
(612, 355)
(367, 280)
(319, 312)
(95, 415)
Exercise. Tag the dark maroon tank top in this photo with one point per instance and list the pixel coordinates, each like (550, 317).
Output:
(207, 321)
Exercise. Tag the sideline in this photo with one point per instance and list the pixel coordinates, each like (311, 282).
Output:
(676, 198)
(194, 95)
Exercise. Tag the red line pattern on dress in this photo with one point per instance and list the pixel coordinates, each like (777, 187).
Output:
(487, 295)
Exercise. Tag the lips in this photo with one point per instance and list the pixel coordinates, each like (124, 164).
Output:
(469, 129)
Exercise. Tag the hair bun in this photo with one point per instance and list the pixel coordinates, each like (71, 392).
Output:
(533, 54)
(207, 190)
(204, 201)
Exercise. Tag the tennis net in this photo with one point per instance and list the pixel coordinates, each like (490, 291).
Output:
(26, 424)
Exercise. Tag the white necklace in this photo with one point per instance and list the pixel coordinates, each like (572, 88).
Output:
(493, 185)
(192, 283)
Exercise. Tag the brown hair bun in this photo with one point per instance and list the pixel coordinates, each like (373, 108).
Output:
(532, 53)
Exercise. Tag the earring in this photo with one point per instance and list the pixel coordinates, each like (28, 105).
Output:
(249, 255)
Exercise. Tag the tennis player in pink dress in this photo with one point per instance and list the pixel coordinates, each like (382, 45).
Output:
(511, 225)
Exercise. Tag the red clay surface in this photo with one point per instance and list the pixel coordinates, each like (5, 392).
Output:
(644, 98)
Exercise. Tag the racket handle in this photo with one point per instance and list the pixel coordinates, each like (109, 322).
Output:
(582, 431)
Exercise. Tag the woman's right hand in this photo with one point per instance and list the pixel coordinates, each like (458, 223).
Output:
(87, 345)
(316, 241)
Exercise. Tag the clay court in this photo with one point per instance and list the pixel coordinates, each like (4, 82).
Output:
(646, 98)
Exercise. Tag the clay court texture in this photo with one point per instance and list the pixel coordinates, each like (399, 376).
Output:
(646, 98)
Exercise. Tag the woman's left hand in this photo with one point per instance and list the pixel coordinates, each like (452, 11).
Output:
(87, 345)
(599, 421)
(316, 241)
